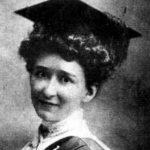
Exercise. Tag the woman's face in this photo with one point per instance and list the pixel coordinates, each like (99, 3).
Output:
(57, 87)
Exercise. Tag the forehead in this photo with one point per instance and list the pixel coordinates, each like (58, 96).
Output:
(56, 63)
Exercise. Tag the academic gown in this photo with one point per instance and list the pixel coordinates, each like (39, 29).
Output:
(74, 143)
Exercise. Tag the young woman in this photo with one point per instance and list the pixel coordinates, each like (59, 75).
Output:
(72, 50)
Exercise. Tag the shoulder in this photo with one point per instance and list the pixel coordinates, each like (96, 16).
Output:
(74, 143)
(92, 144)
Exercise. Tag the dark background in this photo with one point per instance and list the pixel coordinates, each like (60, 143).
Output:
(119, 116)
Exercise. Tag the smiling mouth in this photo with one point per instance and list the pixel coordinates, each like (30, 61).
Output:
(47, 103)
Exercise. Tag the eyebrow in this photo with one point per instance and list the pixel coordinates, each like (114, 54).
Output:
(67, 74)
(61, 71)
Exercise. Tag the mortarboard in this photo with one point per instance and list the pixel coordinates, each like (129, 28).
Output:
(63, 14)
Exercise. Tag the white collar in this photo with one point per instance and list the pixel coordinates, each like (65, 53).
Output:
(71, 123)
(74, 125)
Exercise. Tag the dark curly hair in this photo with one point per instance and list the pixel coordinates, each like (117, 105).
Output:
(98, 54)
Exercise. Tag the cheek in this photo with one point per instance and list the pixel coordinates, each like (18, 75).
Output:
(37, 85)
(72, 95)
(36, 89)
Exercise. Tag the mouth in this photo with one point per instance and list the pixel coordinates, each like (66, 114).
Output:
(47, 103)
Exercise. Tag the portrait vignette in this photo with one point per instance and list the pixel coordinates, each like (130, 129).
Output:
(118, 116)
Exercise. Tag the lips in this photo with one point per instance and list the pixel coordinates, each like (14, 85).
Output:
(47, 103)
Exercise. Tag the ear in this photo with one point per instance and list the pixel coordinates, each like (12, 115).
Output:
(91, 93)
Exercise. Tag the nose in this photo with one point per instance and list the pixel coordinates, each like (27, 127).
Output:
(50, 89)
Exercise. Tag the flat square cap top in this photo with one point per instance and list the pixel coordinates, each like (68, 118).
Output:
(63, 14)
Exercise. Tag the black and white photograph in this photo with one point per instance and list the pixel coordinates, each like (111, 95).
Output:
(75, 75)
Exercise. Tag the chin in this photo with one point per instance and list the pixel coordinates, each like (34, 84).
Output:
(47, 116)
(46, 113)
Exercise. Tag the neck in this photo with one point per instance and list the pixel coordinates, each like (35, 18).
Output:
(70, 123)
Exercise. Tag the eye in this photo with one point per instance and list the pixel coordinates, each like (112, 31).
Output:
(65, 80)
(40, 74)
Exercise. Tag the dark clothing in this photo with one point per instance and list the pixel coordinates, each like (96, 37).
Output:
(74, 143)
